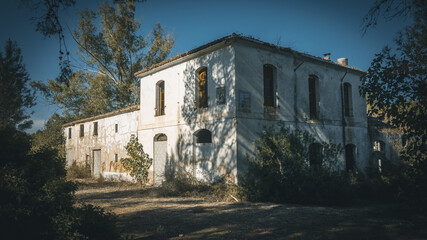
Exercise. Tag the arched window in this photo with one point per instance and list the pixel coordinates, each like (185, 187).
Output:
(350, 157)
(315, 154)
(160, 137)
(313, 95)
(202, 87)
(203, 136)
(160, 98)
(348, 100)
(269, 85)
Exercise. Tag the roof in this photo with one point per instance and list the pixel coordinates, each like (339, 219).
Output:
(109, 114)
(238, 37)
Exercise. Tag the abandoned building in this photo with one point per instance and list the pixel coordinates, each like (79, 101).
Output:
(201, 111)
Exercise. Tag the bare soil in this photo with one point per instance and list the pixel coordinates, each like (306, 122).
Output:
(143, 213)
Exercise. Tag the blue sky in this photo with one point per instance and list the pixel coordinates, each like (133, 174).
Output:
(310, 26)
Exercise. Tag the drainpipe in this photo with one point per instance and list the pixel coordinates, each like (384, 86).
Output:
(342, 109)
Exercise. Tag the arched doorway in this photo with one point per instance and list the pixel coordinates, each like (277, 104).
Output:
(160, 157)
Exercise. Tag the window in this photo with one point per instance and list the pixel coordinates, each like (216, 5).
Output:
(202, 87)
(348, 101)
(95, 128)
(116, 157)
(160, 137)
(203, 136)
(269, 82)
(82, 130)
(69, 133)
(87, 160)
(116, 127)
(160, 98)
(350, 157)
(315, 154)
(313, 97)
(379, 146)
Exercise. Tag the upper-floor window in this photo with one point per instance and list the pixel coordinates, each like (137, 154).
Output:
(348, 101)
(379, 146)
(202, 87)
(82, 130)
(313, 95)
(203, 136)
(69, 133)
(269, 85)
(95, 128)
(160, 98)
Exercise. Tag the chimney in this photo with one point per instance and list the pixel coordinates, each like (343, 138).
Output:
(327, 56)
(342, 61)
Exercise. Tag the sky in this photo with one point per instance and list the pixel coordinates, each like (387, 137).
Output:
(311, 26)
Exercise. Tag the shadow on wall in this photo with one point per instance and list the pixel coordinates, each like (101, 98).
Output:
(207, 159)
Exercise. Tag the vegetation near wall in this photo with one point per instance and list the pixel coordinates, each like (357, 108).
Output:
(138, 161)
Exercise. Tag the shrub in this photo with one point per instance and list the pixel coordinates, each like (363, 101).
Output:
(78, 171)
(281, 171)
(138, 161)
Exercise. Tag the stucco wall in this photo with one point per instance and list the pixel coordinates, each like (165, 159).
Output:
(292, 106)
(107, 140)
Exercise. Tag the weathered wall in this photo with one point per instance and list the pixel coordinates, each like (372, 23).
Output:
(292, 103)
(182, 119)
(107, 140)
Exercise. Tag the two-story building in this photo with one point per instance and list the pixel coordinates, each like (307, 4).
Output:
(201, 111)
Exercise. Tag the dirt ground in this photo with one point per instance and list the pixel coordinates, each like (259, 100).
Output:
(143, 214)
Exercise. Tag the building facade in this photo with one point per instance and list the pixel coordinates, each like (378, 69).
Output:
(201, 111)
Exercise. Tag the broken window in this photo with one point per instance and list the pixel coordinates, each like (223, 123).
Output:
(315, 154)
(160, 98)
(350, 157)
(95, 128)
(269, 82)
(82, 130)
(116, 127)
(348, 101)
(313, 97)
(69, 133)
(202, 88)
(203, 136)
(220, 95)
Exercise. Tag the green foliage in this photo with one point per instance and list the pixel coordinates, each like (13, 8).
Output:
(15, 95)
(138, 161)
(281, 171)
(396, 89)
(111, 50)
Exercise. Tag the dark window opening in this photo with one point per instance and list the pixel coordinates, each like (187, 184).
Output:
(160, 98)
(379, 146)
(268, 85)
(350, 157)
(203, 136)
(315, 154)
(95, 128)
(69, 133)
(116, 127)
(82, 130)
(87, 160)
(313, 97)
(348, 105)
(202, 88)
(116, 157)
(160, 137)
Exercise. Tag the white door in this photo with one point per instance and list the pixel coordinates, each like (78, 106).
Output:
(96, 169)
(160, 157)
(69, 157)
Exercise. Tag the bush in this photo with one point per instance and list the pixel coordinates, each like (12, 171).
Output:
(281, 171)
(76, 171)
(36, 200)
(139, 162)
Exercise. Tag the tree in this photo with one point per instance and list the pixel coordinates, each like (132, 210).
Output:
(110, 56)
(138, 161)
(15, 94)
(396, 85)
